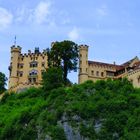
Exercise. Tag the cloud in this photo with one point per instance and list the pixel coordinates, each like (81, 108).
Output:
(102, 11)
(42, 12)
(73, 34)
(6, 18)
(23, 13)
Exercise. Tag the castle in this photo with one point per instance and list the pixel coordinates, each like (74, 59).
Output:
(26, 69)
(92, 70)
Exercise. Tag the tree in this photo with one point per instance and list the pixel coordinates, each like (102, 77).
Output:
(52, 78)
(65, 55)
(3, 80)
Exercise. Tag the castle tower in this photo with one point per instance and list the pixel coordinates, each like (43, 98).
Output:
(83, 64)
(13, 68)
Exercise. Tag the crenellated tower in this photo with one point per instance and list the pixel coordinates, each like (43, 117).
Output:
(83, 63)
(13, 68)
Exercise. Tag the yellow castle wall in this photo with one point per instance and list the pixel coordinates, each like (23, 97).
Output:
(17, 81)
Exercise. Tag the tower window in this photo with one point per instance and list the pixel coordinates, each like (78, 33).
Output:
(20, 73)
(20, 66)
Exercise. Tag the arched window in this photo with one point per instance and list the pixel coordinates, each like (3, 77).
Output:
(33, 72)
(33, 76)
(33, 64)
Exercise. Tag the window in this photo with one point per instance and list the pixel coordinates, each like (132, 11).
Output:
(139, 79)
(33, 64)
(110, 73)
(43, 64)
(80, 55)
(102, 74)
(33, 72)
(20, 66)
(32, 78)
(92, 72)
(20, 73)
(80, 69)
(97, 73)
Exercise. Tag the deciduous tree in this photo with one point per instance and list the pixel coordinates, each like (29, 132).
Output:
(2, 82)
(52, 78)
(65, 55)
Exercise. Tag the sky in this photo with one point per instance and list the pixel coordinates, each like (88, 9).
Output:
(111, 28)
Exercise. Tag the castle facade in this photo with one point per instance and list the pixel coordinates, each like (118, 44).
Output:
(26, 69)
(93, 70)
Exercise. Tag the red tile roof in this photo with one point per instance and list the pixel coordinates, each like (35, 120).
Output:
(117, 67)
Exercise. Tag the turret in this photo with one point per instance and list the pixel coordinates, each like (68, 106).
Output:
(83, 63)
(13, 68)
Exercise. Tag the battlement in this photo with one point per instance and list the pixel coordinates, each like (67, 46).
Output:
(34, 54)
(16, 49)
(83, 47)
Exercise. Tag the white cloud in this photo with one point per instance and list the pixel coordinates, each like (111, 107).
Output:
(42, 12)
(22, 14)
(37, 15)
(102, 11)
(5, 18)
(73, 34)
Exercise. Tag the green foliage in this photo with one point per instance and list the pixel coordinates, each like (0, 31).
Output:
(52, 78)
(104, 110)
(3, 80)
(65, 55)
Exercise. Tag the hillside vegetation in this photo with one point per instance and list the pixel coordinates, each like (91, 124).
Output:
(105, 110)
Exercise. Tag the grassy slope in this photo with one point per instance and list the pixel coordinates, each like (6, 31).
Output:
(35, 113)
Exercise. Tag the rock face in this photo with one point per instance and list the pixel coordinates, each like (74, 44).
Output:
(70, 132)
(98, 125)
